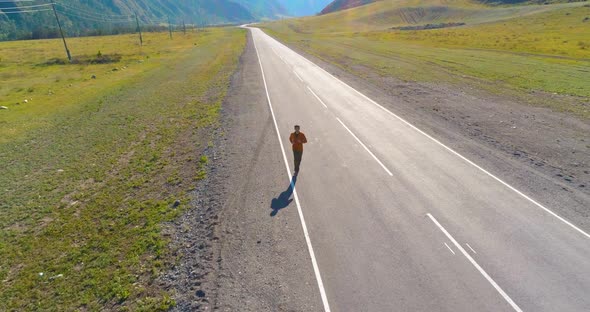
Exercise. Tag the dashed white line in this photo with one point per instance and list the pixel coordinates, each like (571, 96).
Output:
(450, 248)
(549, 211)
(314, 262)
(296, 74)
(317, 97)
(471, 248)
(366, 148)
(476, 265)
(280, 56)
(275, 51)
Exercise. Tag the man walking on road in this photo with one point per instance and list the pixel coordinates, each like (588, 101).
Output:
(297, 138)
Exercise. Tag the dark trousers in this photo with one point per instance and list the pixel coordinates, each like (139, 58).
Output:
(297, 156)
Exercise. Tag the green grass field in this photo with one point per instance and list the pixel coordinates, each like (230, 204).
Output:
(91, 167)
(516, 49)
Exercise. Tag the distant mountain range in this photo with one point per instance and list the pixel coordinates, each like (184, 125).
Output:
(83, 17)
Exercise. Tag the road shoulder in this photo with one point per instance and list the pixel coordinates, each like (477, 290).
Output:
(256, 260)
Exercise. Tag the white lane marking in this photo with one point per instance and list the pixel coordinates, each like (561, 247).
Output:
(277, 53)
(317, 97)
(296, 74)
(366, 148)
(280, 56)
(314, 262)
(450, 248)
(479, 268)
(446, 147)
(471, 248)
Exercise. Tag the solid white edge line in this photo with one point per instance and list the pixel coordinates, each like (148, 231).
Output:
(446, 147)
(476, 265)
(314, 263)
(450, 248)
(296, 74)
(317, 97)
(366, 148)
(471, 248)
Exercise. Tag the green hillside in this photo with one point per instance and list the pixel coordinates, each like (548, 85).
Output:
(386, 14)
(339, 5)
(108, 17)
(94, 155)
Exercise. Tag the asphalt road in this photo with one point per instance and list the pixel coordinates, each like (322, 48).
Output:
(396, 221)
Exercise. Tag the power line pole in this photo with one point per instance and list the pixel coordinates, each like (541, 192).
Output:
(183, 27)
(139, 30)
(199, 17)
(61, 32)
(169, 27)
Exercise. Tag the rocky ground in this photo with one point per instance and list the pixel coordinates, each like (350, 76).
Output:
(234, 255)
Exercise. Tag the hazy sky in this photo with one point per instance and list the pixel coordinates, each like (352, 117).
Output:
(304, 7)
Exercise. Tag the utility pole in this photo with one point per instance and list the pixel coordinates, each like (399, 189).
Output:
(169, 27)
(139, 30)
(198, 23)
(61, 32)
(183, 27)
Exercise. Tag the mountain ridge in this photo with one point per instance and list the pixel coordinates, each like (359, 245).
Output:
(83, 17)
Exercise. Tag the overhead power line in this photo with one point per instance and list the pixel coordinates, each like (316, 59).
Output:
(27, 6)
(27, 11)
(96, 19)
(94, 14)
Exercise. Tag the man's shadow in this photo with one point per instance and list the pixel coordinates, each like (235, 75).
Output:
(284, 199)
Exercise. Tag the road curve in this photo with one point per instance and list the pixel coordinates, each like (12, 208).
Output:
(396, 221)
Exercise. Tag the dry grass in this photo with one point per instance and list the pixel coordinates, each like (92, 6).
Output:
(91, 167)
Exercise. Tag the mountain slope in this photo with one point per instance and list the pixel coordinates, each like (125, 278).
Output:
(81, 17)
(383, 15)
(263, 9)
(339, 5)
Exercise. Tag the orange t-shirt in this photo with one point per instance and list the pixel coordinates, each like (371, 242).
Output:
(297, 140)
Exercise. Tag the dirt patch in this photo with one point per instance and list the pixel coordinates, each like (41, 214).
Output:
(429, 26)
(554, 144)
(99, 58)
